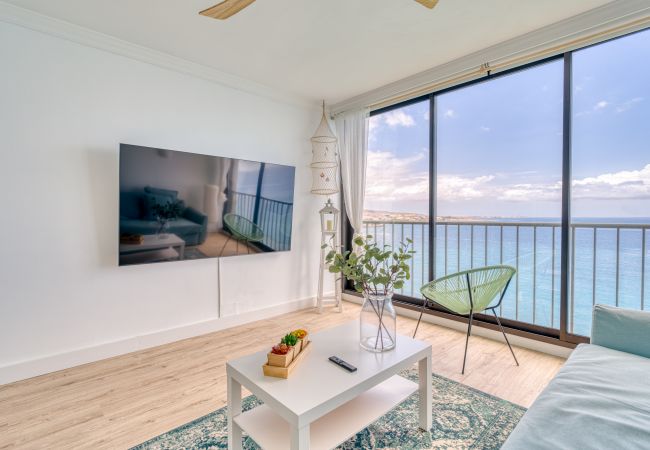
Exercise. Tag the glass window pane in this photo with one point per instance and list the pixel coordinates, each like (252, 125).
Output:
(498, 185)
(610, 177)
(397, 185)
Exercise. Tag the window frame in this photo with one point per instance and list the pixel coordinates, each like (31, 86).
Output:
(559, 336)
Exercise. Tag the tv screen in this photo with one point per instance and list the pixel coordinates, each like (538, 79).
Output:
(176, 205)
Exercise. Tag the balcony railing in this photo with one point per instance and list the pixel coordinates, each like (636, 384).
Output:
(272, 216)
(608, 263)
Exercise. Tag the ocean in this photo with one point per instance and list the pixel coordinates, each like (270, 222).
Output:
(619, 274)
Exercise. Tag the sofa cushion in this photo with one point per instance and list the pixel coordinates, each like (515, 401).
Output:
(159, 191)
(621, 329)
(183, 226)
(599, 399)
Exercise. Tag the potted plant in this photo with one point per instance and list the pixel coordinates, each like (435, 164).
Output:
(302, 337)
(293, 342)
(280, 355)
(375, 272)
(166, 212)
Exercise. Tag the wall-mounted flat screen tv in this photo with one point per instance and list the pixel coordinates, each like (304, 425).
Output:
(176, 205)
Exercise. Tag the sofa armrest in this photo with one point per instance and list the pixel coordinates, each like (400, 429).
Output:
(195, 216)
(621, 329)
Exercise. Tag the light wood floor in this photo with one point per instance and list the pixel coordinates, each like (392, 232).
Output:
(218, 244)
(123, 401)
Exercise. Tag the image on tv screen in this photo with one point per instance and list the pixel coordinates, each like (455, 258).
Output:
(176, 205)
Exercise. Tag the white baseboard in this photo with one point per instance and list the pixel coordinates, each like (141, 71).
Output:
(544, 347)
(40, 366)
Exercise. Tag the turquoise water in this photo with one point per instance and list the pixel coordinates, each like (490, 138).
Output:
(534, 293)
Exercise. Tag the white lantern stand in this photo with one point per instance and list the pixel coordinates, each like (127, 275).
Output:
(329, 220)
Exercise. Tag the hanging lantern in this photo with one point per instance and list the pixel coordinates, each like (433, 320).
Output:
(325, 161)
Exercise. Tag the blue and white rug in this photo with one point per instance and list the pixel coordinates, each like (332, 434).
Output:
(463, 418)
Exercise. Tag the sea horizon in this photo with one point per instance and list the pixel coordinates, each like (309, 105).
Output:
(411, 217)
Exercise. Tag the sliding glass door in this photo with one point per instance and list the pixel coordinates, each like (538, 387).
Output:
(498, 185)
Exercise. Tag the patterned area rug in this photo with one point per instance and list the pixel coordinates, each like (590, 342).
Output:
(463, 418)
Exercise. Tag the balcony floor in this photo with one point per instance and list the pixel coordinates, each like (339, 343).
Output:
(123, 401)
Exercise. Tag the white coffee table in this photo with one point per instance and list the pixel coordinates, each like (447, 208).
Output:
(321, 405)
(153, 248)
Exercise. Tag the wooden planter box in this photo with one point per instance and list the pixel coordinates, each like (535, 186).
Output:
(280, 360)
(284, 372)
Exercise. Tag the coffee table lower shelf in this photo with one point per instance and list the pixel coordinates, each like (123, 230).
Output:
(271, 432)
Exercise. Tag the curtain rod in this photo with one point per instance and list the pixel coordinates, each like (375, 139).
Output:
(499, 65)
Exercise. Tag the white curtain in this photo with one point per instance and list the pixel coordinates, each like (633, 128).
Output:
(352, 130)
(215, 196)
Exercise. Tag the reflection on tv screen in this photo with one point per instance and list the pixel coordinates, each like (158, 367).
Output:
(177, 205)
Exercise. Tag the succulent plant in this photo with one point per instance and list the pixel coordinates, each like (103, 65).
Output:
(289, 339)
(299, 333)
(280, 349)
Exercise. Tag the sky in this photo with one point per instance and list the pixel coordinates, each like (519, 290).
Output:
(277, 183)
(499, 142)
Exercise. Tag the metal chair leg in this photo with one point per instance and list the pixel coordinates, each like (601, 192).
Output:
(224, 246)
(469, 331)
(424, 304)
(505, 337)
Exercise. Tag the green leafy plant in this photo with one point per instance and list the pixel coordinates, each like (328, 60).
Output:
(290, 340)
(373, 270)
(167, 211)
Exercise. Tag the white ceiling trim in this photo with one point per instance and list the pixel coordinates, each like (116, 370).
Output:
(65, 30)
(599, 24)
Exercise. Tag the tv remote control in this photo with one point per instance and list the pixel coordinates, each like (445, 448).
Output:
(339, 362)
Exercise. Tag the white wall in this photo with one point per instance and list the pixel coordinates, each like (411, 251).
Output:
(64, 109)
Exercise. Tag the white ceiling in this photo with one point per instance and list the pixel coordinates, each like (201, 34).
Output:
(331, 49)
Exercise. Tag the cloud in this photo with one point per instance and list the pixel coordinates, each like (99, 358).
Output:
(485, 129)
(624, 184)
(450, 114)
(398, 118)
(612, 106)
(527, 192)
(391, 178)
(601, 105)
(455, 187)
(628, 104)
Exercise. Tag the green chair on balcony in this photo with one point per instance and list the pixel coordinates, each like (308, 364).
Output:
(468, 293)
(241, 229)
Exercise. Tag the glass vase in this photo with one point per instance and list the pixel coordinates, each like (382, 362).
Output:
(163, 226)
(378, 323)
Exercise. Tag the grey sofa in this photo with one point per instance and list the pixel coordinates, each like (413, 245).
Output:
(136, 216)
(600, 399)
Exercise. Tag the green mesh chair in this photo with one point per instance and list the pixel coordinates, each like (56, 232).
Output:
(241, 229)
(468, 293)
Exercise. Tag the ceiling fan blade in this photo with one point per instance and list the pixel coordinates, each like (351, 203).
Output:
(428, 3)
(226, 9)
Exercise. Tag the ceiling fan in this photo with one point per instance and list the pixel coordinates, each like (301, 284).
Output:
(228, 8)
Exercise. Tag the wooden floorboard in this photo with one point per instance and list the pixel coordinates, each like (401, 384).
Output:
(123, 401)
